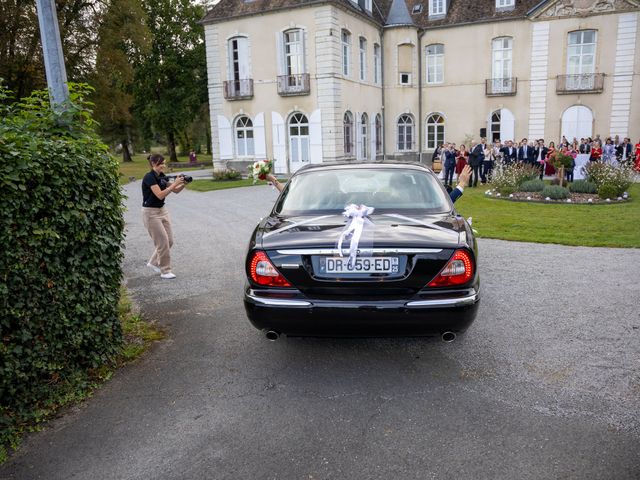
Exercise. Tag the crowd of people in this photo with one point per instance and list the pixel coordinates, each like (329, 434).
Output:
(482, 156)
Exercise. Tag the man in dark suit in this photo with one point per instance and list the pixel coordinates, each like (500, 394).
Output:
(623, 150)
(509, 153)
(584, 146)
(539, 155)
(476, 157)
(525, 152)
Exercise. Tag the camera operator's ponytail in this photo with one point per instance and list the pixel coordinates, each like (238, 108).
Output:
(155, 159)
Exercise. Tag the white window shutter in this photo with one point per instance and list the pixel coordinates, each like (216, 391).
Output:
(315, 136)
(258, 137)
(225, 137)
(279, 145)
(372, 137)
(280, 53)
(243, 57)
(507, 125)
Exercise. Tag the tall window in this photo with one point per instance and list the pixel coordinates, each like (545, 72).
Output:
(346, 53)
(238, 60)
(378, 134)
(299, 138)
(244, 137)
(437, 7)
(405, 133)
(348, 133)
(364, 137)
(502, 54)
(581, 52)
(377, 63)
(495, 126)
(293, 52)
(435, 63)
(363, 58)
(435, 131)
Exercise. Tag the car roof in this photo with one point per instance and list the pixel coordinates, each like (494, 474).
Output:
(361, 165)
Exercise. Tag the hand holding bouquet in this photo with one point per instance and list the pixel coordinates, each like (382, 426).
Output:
(260, 170)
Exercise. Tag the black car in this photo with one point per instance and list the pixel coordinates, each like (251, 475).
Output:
(404, 264)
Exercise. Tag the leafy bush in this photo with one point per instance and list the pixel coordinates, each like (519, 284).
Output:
(617, 178)
(555, 192)
(536, 185)
(61, 229)
(560, 159)
(229, 174)
(583, 186)
(607, 191)
(512, 176)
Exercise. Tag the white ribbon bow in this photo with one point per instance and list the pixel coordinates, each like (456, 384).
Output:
(357, 214)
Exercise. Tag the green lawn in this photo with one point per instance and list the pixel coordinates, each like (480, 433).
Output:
(140, 166)
(616, 225)
(209, 185)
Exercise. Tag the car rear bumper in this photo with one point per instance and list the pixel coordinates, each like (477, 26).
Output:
(308, 317)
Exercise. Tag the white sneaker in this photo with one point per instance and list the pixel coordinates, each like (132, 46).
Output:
(153, 267)
(167, 276)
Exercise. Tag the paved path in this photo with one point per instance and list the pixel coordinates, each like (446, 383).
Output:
(545, 384)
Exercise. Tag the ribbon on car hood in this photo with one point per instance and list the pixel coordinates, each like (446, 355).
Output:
(357, 215)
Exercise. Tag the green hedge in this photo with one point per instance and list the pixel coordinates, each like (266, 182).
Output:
(583, 186)
(61, 230)
(535, 185)
(555, 192)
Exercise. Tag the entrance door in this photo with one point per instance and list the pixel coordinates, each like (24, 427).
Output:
(298, 141)
(577, 122)
(502, 125)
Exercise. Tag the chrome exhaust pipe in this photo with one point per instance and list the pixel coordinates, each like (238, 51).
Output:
(272, 335)
(448, 337)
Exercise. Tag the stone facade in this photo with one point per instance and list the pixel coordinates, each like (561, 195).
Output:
(503, 73)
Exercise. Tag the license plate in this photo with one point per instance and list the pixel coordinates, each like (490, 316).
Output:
(361, 265)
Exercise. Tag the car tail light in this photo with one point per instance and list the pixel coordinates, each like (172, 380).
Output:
(458, 271)
(264, 273)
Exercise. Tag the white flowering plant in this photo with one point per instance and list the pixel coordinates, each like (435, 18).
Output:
(610, 180)
(260, 170)
(508, 179)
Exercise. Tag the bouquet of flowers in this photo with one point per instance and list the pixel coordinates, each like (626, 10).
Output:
(260, 170)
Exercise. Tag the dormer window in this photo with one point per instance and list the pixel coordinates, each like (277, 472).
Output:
(505, 4)
(417, 9)
(437, 8)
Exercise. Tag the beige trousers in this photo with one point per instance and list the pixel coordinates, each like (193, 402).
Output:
(158, 224)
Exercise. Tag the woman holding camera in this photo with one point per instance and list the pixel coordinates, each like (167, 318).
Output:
(155, 216)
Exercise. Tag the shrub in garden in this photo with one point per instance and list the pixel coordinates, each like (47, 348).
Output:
(583, 186)
(229, 174)
(607, 191)
(61, 231)
(617, 179)
(509, 178)
(536, 185)
(555, 192)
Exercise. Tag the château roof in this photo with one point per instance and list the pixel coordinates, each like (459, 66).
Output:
(399, 14)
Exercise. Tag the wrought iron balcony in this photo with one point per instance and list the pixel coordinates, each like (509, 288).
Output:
(238, 89)
(495, 87)
(583, 83)
(289, 85)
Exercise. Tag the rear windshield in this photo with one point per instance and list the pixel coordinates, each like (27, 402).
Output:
(386, 190)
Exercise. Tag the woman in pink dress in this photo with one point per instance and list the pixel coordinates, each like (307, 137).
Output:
(551, 153)
(637, 165)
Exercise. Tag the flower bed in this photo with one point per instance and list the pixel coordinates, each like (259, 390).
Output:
(574, 198)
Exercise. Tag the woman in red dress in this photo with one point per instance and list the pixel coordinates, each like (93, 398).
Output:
(596, 151)
(461, 160)
(551, 153)
(637, 165)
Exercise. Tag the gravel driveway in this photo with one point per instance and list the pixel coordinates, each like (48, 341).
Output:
(544, 385)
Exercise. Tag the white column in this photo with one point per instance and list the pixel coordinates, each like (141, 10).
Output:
(623, 75)
(539, 79)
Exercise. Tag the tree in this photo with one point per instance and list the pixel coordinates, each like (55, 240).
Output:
(170, 84)
(21, 62)
(123, 43)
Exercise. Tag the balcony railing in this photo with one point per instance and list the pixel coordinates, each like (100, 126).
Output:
(294, 84)
(495, 87)
(583, 83)
(238, 89)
